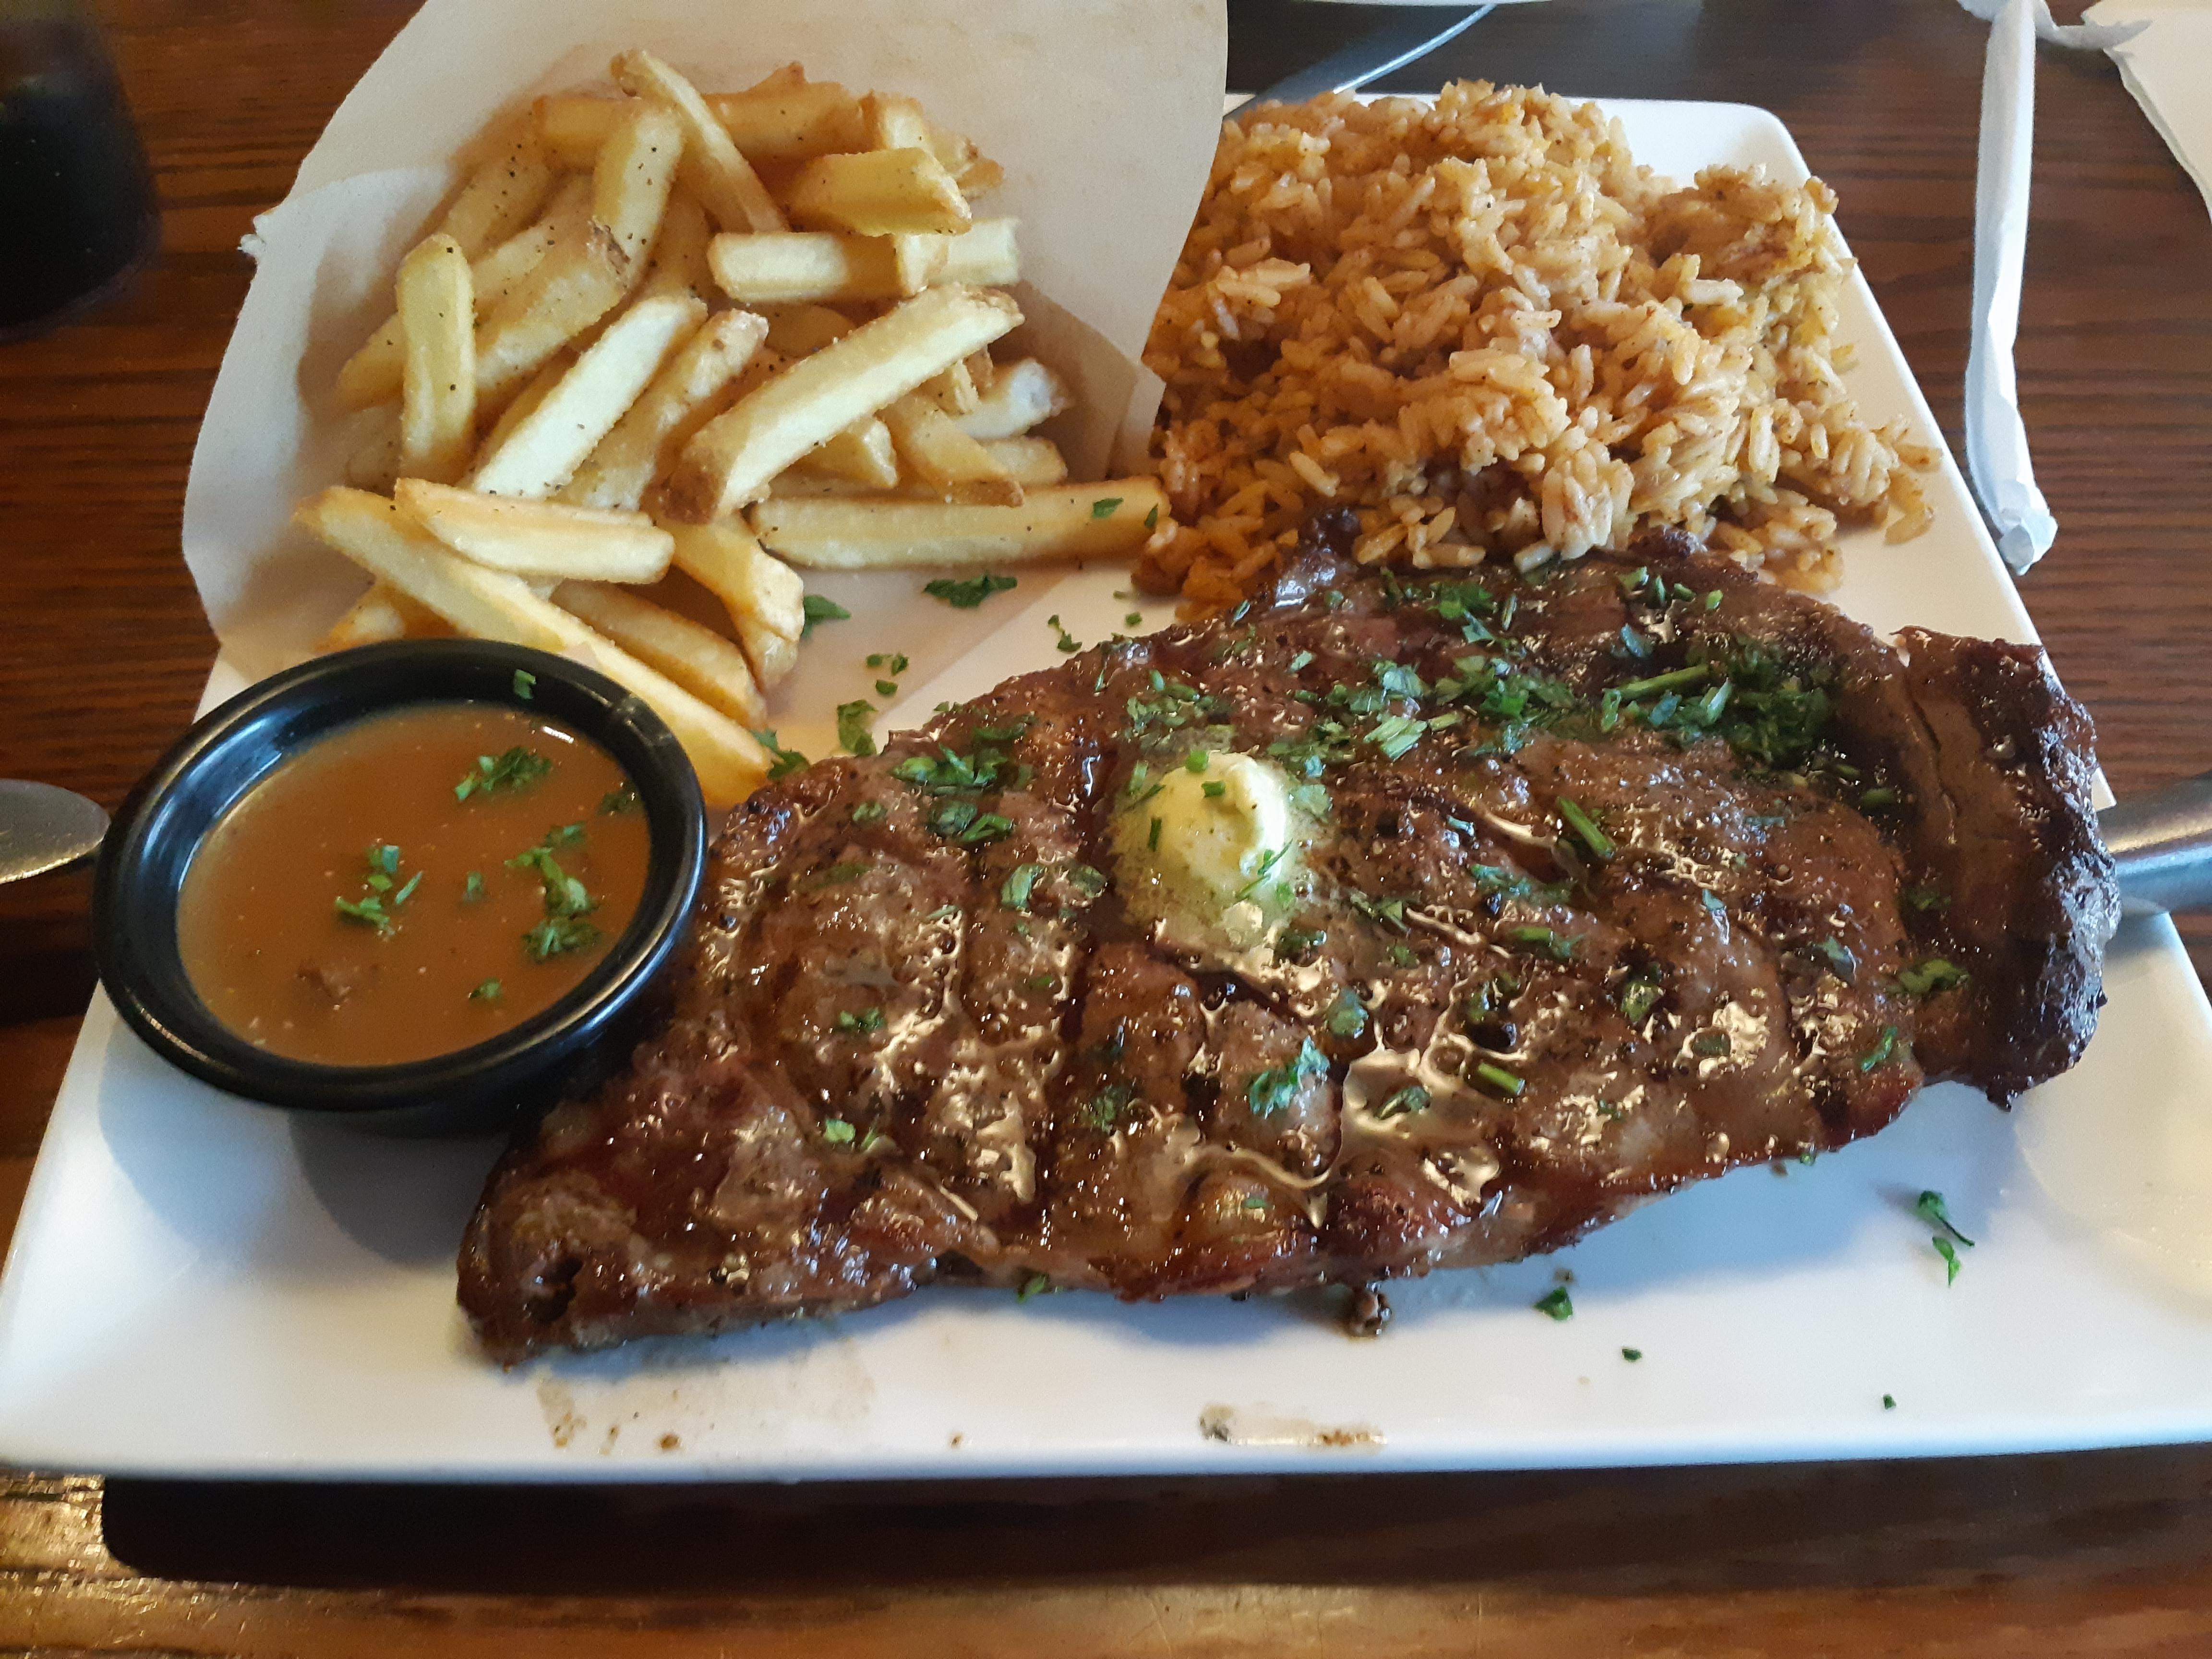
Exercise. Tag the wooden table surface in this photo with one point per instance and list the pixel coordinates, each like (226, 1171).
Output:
(103, 650)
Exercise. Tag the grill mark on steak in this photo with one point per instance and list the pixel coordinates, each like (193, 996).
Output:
(881, 1071)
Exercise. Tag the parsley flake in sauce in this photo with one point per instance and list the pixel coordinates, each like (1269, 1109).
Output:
(525, 683)
(518, 768)
(1555, 1303)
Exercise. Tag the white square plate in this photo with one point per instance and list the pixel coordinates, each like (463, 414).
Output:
(202, 1287)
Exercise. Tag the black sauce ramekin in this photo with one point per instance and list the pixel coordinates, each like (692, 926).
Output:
(557, 1052)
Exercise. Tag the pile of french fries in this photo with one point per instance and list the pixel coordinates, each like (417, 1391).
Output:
(721, 333)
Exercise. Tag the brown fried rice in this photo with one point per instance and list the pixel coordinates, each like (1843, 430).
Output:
(1480, 324)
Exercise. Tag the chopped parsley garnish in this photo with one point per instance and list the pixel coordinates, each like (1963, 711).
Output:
(558, 935)
(1555, 1303)
(1273, 1090)
(966, 595)
(1925, 898)
(1404, 957)
(1196, 761)
(516, 769)
(816, 609)
(887, 688)
(565, 895)
(1889, 1402)
(844, 871)
(852, 722)
(1668, 682)
(948, 772)
(407, 889)
(1086, 880)
(1542, 941)
(1585, 828)
(1014, 891)
(782, 762)
(1347, 1015)
(525, 683)
(1631, 1355)
(473, 889)
(1925, 979)
(1879, 1055)
(1950, 1260)
(384, 860)
(1067, 642)
(1105, 1108)
(1639, 995)
(1410, 1098)
(623, 797)
(487, 992)
(1389, 913)
(369, 910)
(1153, 518)
(1833, 952)
(1883, 796)
(867, 1020)
(1268, 860)
(1498, 1078)
(1104, 509)
(1710, 1045)
(838, 1132)
(1152, 836)
(869, 811)
(1932, 1209)
(891, 662)
(1035, 1284)
(1213, 790)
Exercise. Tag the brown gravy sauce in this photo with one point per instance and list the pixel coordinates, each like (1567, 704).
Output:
(364, 905)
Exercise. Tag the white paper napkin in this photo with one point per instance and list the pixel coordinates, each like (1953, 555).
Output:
(1996, 439)
(2168, 67)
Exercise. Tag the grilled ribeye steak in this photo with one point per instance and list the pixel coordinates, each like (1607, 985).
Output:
(1386, 927)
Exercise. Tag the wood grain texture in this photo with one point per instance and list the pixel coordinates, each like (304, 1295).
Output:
(103, 649)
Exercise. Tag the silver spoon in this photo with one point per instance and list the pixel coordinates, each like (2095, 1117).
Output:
(44, 827)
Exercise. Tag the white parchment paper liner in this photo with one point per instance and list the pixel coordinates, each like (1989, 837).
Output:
(1103, 113)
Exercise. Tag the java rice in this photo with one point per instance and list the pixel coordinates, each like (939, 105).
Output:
(1483, 326)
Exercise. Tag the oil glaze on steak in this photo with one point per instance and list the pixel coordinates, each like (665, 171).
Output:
(919, 1034)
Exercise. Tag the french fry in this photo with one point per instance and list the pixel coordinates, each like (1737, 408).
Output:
(438, 387)
(796, 329)
(698, 659)
(572, 126)
(1030, 462)
(492, 605)
(1064, 521)
(630, 456)
(861, 452)
(502, 195)
(940, 455)
(714, 169)
(766, 600)
(954, 390)
(678, 262)
(542, 539)
(987, 256)
(918, 258)
(581, 279)
(545, 447)
(524, 403)
(976, 173)
(636, 170)
(895, 121)
(880, 193)
(827, 265)
(1022, 393)
(373, 374)
(373, 455)
(730, 459)
(784, 121)
(382, 614)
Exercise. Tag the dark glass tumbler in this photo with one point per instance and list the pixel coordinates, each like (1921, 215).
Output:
(77, 214)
